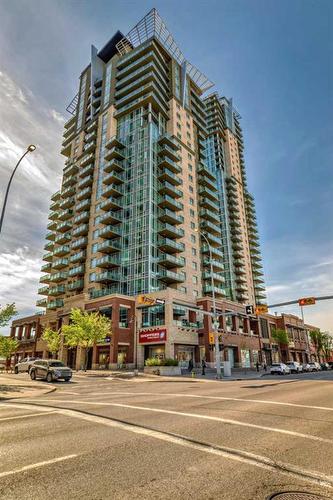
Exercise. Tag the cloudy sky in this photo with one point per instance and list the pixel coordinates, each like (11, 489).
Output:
(274, 59)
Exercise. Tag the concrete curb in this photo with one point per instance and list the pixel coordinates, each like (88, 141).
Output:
(27, 390)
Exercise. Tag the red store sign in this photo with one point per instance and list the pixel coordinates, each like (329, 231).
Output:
(157, 335)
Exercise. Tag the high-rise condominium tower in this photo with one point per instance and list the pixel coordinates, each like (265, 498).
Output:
(153, 197)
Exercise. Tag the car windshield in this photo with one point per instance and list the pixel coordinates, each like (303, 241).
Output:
(56, 363)
(276, 364)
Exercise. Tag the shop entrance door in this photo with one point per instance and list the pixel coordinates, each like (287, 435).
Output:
(185, 353)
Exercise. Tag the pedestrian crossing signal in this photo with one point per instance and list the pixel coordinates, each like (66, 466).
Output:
(249, 309)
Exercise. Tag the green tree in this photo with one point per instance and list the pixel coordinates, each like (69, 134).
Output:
(327, 345)
(8, 347)
(52, 339)
(6, 313)
(280, 336)
(317, 338)
(86, 330)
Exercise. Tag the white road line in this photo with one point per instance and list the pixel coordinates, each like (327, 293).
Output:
(221, 398)
(225, 452)
(27, 416)
(35, 466)
(198, 416)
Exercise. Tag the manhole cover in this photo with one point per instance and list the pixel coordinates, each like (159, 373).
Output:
(294, 495)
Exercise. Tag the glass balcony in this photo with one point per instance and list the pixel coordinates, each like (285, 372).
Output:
(90, 136)
(169, 202)
(112, 190)
(216, 276)
(170, 190)
(208, 289)
(41, 303)
(209, 215)
(50, 236)
(89, 158)
(206, 192)
(113, 203)
(170, 246)
(76, 271)
(84, 194)
(114, 166)
(48, 256)
(61, 251)
(44, 290)
(56, 196)
(109, 232)
(169, 140)
(64, 226)
(75, 285)
(167, 175)
(209, 227)
(82, 217)
(208, 203)
(81, 230)
(65, 214)
(214, 251)
(87, 170)
(213, 240)
(68, 192)
(71, 169)
(60, 263)
(89, 147)
(170, 261)
(108, 261)
(91, 126)
(68, 181)
(77, 257)
(54, 304)
(86, 181)
(53, 216)
(54, 206)
(58, 277)
(108, 246)
(107, 276)
(114, 142)
(170, 231)
(216, 264)
(46, 267)
(110, 218)
(165, 162)
(115, 153)
(170, 217)
(166, 150)
(113, 178)
(94, 294)
(57, 290)
(204, 170)
(80, 243)
(45, 278)
(83, 205)
(170, 277)
(52, 226)
(63, 238)
(67, 203)
(49, 246)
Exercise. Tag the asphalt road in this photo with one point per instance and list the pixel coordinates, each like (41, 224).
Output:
(100, 438)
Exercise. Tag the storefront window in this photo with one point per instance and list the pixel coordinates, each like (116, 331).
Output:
(123, 317)
(153, 316)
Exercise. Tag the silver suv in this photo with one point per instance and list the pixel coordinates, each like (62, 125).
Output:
(50, 370)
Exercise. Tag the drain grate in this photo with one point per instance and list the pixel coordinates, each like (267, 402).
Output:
(294, 495)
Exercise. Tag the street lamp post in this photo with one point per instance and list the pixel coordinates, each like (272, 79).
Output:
(30, 148)
(215, 320)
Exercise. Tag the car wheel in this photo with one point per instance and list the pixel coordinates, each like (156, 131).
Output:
(49, 377)
(33, 375)
(67, 379)
(16, 370)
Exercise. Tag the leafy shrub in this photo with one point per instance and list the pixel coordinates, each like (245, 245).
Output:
(161, 362)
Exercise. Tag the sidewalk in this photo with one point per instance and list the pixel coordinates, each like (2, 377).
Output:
(11, 388)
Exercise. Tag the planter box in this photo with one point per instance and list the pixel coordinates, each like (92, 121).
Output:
(163, 370)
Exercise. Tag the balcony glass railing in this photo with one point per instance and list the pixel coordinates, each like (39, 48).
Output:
(77, 257)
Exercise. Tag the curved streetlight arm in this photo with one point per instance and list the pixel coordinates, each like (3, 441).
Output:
(29, 150)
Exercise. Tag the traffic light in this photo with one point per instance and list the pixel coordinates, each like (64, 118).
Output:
(249, 309)
(307, 301)
(263, 309)
(211, 338)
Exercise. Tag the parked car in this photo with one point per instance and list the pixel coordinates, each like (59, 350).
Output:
(50, 370)
(24, 365)
(324, 366)
(330, 364)
(314, 367)
(279, 369)
(295, 366)
(306, 367)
